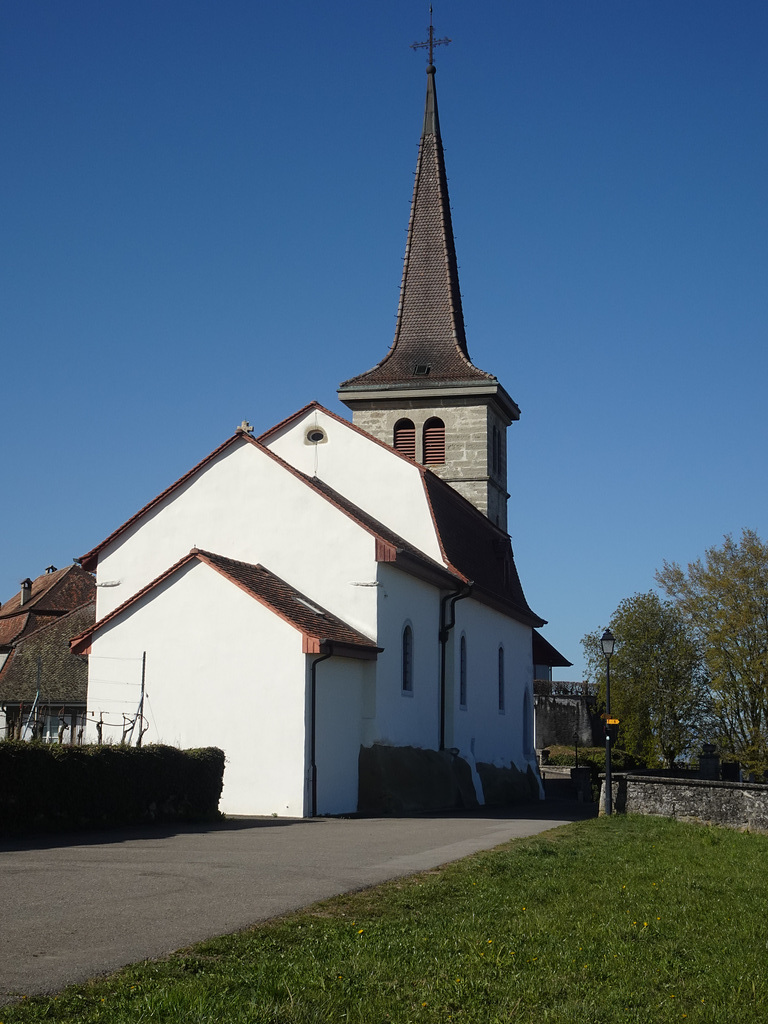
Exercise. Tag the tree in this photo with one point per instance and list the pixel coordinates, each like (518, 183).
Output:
(659, 689)
(724, 600)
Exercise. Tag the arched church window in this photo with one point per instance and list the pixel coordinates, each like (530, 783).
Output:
(434, 442)
(407, 666)
(404, 438)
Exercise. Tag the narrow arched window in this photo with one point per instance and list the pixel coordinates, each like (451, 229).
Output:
(404, 438)
(502, 696)
(463, 672)
(434, 442)
(407, 665)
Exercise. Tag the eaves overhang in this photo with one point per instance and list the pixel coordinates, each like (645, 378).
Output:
(491, 600)
(360, 396)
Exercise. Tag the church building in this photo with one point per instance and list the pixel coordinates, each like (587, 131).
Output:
(336, 604)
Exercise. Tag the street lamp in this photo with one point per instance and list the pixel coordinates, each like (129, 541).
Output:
(608, 642)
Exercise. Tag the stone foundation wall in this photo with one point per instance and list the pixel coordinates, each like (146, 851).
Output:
(742, 805)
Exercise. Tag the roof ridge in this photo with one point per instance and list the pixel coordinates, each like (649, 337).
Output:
(87, 559)
(210, 558)
(55, 621)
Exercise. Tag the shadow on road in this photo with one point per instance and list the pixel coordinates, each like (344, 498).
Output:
(540, 810)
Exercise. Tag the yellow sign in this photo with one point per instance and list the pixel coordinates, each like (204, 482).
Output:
(613, 721)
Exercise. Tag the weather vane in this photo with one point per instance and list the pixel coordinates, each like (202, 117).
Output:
(431, 43)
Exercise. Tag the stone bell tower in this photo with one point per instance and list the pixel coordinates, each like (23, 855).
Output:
(426, 398)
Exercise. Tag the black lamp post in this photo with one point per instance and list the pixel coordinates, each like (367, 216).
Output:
(608, 641)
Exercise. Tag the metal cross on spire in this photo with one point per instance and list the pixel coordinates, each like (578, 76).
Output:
(431, 43)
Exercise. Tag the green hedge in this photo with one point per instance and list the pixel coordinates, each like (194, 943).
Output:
(49, 787)
(594, 758)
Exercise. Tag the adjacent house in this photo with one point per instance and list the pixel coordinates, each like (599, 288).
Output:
(42, 682)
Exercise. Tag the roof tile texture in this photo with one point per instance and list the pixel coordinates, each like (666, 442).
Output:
(291, 604)
(430, 321)
(63, 675)
(52, 595)
(478, 549)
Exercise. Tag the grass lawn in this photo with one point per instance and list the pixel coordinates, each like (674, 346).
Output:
(621, 919)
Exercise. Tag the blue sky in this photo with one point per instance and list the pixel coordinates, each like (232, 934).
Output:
(203, 208)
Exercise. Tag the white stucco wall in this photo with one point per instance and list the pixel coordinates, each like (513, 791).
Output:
(344, 690)
(246, 506)
(481, 731)
(376, 479)
(222, 670)
(407, 719)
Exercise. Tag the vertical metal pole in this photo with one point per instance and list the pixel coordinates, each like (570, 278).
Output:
(141, 702)
(608, 789)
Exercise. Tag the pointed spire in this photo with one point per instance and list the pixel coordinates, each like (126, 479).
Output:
(430, 344)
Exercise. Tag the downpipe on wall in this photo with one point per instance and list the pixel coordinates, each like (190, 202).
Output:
(445, 629)
(313, 723)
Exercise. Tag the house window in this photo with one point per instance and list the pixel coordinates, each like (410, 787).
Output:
(463, 672)
(496, 450)
(407, 666)
(501, 679)
(434, 442)
(404, 438)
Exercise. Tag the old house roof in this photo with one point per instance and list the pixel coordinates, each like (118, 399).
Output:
(317, 625)
(63, 676)
(50, 596)
(430, 346)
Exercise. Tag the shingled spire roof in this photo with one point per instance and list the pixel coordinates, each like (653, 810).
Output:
(430, 347)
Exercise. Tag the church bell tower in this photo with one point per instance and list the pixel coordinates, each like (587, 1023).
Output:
(426, 398)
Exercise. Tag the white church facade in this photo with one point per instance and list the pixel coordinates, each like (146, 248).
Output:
(334, 604)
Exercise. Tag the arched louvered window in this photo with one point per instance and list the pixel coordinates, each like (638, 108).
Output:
(502, 696)
(463, 672)
(407, 672)
(404, 439)
(434, 442)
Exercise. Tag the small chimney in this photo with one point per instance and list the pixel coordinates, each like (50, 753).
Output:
(26, 592)
(49, 569)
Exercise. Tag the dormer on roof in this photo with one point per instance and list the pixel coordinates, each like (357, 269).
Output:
(426, 397)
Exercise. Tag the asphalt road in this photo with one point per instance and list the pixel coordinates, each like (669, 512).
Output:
(79, 906)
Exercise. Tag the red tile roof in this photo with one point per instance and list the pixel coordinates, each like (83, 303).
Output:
(63, 675)
(478, 549)
(316, 623)
(51, 596)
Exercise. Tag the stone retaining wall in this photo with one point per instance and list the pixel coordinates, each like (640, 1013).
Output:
(741, 805)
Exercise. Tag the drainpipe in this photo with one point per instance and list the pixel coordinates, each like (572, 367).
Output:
(445, 629)
(313, 723)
